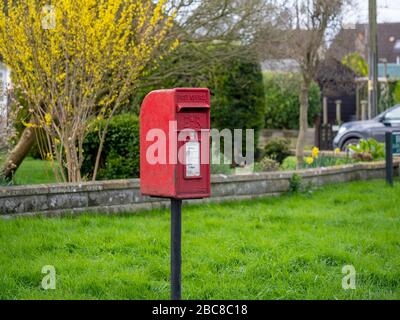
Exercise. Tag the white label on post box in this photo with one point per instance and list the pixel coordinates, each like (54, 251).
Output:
(192, 150)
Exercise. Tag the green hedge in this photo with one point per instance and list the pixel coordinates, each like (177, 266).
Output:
(120, 156)
(282, 92)
(238, 97)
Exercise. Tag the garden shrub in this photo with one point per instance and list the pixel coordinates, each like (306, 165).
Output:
(120, 158)
(267, 164)
(289, 164)
(282, 92)
(278, 149)
(395, 93)
(238, 97)
(368, 150)
(295, 183)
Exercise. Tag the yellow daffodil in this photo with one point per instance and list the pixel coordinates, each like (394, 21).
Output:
(337, 150)
(315, 152)
(309, 160)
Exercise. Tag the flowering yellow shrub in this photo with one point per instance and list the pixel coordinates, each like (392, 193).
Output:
(70, 58)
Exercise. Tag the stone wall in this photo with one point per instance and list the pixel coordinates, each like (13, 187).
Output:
(291, 135)
(124, 195)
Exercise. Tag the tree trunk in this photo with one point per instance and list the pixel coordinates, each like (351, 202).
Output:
(18, 154)
(303, 122)
(73, 166)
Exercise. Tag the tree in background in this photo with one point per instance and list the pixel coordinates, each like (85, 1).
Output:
(76, 62)
(228, 28)
(282, 92)
(386, 91)
(355, 62)
(216, 51)
(235, 81)
(300, 31)
(228, 25)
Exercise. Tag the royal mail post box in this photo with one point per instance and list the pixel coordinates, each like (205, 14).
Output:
(174, 143)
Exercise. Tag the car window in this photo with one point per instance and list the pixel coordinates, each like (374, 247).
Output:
(393, 115)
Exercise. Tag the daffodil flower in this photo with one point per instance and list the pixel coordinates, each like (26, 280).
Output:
(309, 160)
(315, 152)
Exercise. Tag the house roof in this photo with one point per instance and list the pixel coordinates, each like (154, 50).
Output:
(354, 39)
(388, 37)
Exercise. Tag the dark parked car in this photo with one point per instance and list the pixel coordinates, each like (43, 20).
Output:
(350, 133)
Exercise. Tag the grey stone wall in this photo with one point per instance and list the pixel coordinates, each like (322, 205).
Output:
(124, 195)
(291, 135)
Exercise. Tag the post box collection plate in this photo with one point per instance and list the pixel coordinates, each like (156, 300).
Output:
(192, 163)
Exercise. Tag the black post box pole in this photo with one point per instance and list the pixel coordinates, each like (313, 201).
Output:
(389, 158)
(176, 236)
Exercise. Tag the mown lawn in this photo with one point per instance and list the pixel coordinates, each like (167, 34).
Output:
(292, 247)
(34, 171)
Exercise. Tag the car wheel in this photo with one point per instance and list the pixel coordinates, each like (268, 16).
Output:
(350, 142)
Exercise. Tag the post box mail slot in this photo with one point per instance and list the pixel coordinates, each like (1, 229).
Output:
(174, 143)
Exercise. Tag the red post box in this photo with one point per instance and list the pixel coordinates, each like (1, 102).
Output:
(174, 143)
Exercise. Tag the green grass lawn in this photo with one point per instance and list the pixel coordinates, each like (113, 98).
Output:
(34, 171)
(291, 247)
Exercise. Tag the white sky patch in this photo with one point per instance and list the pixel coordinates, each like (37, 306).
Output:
(388, 11)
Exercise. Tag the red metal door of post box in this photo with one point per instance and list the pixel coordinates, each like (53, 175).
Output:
(193, 173)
